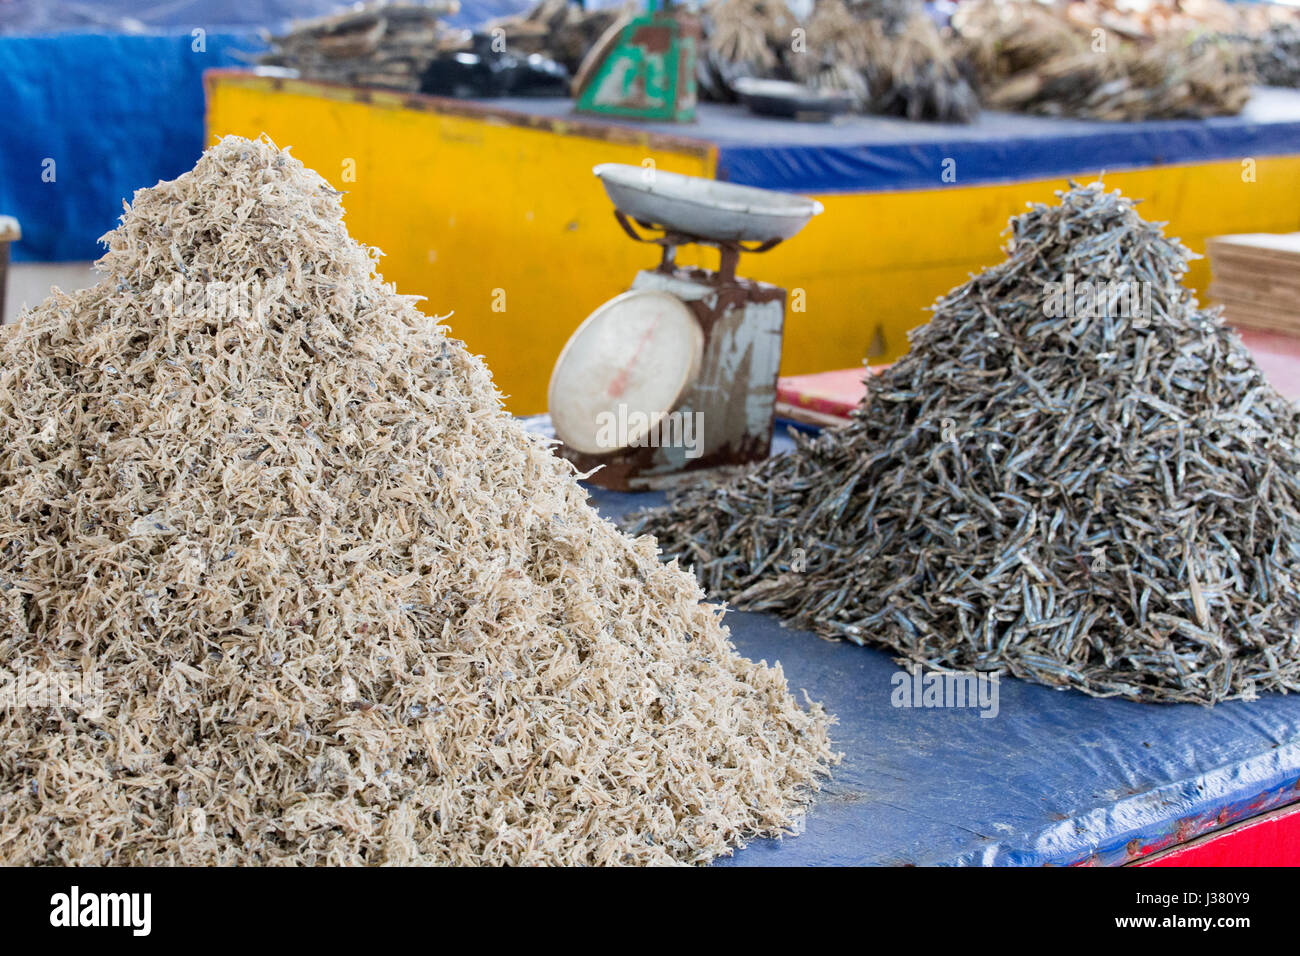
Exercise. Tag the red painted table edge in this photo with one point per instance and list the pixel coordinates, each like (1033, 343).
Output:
(1270, 839)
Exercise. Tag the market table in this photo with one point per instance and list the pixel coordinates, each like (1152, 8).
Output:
(1055, 777)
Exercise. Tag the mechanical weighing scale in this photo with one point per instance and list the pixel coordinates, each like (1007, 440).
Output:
(678, 375)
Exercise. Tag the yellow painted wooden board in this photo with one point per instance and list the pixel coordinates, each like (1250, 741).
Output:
(497, 220)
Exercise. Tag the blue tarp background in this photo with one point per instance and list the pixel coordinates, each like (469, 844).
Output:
(869, 153)
(112, 92)
(115, 113)
(32, 17)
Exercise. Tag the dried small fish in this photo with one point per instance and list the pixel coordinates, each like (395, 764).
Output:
(1089, 499)
(1275, 54)
(561, 29)
(888, 55)
(374, 44)
(335, 595)
(1071, 60)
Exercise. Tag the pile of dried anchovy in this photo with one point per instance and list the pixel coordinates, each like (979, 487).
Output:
(1095, 495)
(315, 597)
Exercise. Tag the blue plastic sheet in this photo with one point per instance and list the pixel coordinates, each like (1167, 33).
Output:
(1055, 778)
(866, 154)
(111, 114)
(112, 93)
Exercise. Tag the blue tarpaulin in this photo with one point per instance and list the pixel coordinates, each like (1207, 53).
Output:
(871, 153)
(88, 120)
(111, 93)
(1055, 777)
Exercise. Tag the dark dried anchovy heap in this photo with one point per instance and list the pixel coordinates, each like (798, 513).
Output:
(1107, 503)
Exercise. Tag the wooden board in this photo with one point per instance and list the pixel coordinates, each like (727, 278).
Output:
(1283, 245)
(1256, 278)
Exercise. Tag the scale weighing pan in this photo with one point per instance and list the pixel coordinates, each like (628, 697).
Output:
(635, 355)
(705, 208)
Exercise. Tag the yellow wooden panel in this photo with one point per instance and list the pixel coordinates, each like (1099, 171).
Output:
(480, 212)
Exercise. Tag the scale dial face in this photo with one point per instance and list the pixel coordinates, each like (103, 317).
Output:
(623, 370)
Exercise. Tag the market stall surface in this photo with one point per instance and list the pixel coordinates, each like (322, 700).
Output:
(1049, 777)
(864, 153)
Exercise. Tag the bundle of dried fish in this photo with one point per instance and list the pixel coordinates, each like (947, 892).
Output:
(379, 44)
(742, 38)
(1267, 34)
(911, 73)
(750, 32)
(1048, 59)
(836, 51)
(560, 29)
(1275, 55)
(1075, 474)
(888, 56)
(1149, 19)
(334, 604)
